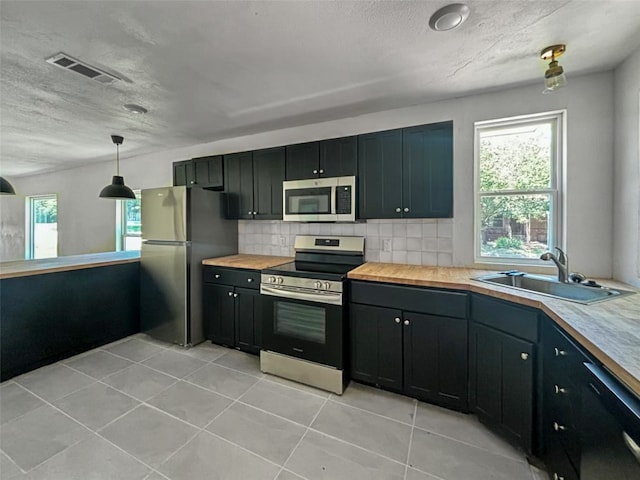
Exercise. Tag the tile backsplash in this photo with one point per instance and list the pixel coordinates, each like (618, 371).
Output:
(414, 241)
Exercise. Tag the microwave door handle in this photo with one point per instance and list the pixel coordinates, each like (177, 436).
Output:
(334, 192)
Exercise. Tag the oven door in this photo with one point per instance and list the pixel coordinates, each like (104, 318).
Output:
(304, 329)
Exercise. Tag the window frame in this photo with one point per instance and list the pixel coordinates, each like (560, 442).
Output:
(29, 248)
(556, 189)
(121, 222)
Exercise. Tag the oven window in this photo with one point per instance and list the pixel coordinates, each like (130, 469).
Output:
(297, 320)
(308, 200)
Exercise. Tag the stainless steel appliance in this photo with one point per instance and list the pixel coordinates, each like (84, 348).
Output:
(180, 227)
(320, 200)
(610, 429)
(305, 310)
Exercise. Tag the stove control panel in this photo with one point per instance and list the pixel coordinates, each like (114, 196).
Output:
(285, 282)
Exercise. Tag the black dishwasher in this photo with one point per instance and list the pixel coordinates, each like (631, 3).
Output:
(610, 429)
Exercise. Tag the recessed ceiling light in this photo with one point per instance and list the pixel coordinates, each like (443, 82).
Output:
(449, 17)
(133, 108)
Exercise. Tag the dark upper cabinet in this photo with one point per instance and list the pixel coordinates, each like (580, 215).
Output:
(182, 173)
(427, 171)
(406, 173)
(380, 174)
(268, 175)
(336, 157)
(254, 183)
(205, 172)
(238, 172)
(302, 161)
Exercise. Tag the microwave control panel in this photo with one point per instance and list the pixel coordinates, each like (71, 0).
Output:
(343, 199)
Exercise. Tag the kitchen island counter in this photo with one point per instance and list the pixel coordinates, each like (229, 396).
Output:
(610, 330)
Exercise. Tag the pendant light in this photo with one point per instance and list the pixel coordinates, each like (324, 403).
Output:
(6, 188)
(554, 77)
(117, 189)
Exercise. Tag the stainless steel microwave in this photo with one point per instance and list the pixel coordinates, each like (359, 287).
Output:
(319, 200)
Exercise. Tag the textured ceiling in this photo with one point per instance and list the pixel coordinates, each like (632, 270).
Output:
(207, 70)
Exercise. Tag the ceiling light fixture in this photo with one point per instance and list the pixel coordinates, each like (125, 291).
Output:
(133, 108)
(554, 77)
(117, 189)
(6, 188)
(449, 17)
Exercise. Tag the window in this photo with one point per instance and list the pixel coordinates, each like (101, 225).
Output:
(518, 166)
(42, 227)
(128, 231)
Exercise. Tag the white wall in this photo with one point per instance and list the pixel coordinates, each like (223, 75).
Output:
(626, 198)
(589, 200)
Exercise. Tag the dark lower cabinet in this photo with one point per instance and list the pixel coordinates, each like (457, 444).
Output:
(231, 311)
(502, 382)
(503, 369)
(376, 346)
(421, 355)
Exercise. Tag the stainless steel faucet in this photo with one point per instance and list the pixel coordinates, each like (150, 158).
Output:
(561, 261)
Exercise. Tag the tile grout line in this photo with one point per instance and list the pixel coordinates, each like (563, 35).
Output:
(301, 438)
(371, 412)
(413, 426)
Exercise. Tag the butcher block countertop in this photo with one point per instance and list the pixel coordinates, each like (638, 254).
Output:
(250, 262)
(23, 268)
(609, 330)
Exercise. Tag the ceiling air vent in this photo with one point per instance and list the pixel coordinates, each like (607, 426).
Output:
(67, 62)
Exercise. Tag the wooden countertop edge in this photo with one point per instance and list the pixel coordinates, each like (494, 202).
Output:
(247, 261)
(499, 292)
(66, 268)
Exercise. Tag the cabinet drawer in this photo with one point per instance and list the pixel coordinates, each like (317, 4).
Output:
(510, 318)
(235, 277)
(413, 299)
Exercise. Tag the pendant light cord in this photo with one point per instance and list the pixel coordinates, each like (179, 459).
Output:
(117, 159)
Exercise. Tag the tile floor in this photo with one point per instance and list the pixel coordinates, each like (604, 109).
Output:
(141, 409)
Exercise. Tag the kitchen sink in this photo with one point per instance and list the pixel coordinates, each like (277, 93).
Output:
(551, 287)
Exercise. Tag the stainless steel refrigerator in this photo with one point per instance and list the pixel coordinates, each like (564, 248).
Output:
(180, 227)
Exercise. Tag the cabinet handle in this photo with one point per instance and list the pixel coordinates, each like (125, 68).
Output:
(558, 428)
(524, 355)
(255, 213)
(559, 390)
(230, 294)
(249, 212)
(557, 477)
(315, 171)
(406, 322)
(192, 182)
(398, 210)
(235, 295)
(217, 275)
(321, 171)
(406, 209)
(558, 352)
(397, 319)
(249, 280)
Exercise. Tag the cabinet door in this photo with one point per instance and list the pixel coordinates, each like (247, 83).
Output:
(218, 313)
(302, 161)
(238, 171)
(183, 173)
(380, 174)
(268, 175)
(247, 319)
(339, 157)
(208, 172)
(376, 345)
(427, 175)
(435, 359)
(502, 372)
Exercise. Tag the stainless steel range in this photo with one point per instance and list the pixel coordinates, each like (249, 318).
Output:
(305, 309)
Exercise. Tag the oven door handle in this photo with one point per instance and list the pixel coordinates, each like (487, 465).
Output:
(631, 445)
(332, 298)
